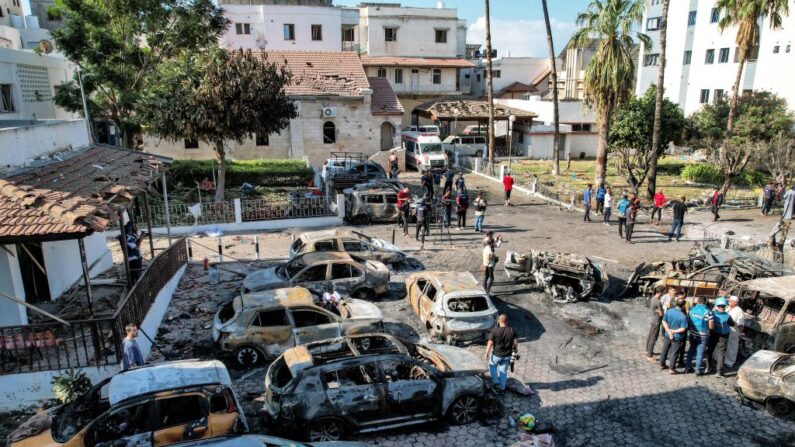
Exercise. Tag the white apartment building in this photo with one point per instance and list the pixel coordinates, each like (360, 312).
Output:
(513, 77)
(702, 62)
(27, 85)
(18, 31)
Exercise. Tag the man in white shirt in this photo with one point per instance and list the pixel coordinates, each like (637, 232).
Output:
(733, 344)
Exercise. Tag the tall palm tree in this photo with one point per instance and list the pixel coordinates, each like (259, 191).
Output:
(554, 75)
(744, 14)
(490, 88)
(651, 186)
(610, 76)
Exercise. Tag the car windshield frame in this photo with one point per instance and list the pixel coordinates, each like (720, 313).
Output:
(286, 271)
(69, 414)
(431, 148)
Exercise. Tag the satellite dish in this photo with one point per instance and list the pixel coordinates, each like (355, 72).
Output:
(45, 46)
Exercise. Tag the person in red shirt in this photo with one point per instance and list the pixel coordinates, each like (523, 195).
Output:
(659, 203)
(507, 183)
(404, 207)
(716, 202)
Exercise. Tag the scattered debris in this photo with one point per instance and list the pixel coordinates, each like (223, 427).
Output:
(567, 277)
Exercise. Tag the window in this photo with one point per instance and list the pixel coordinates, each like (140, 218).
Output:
(348, 35)
(242, 28)
(718, 95)
(441, 36)
(723, 56)
(329, 245)
(687, 57)
(381, 73)
(496, 73)
(191, 144)
(275, 317)
(390, 34)
(262, 139)
(344, 271)
(653, 23)
(581, 127)
(398, 76)
(396, 370)
(312, 274)
(329, 133)
(691, 18)
(753, 54)
(6, 101)
(352, 245)
(714, 16)
(307, 317)
(317, 32)
(709, 57)
(122, 423)
(437, 76)
(477, 77)
(289, 31)
(651, 60)
(391, 198)
(180, 410)
(374, 199)
(352, 376)
(704, 96)
(776, 49)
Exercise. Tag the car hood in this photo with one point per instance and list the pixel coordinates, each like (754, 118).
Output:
(458, 360)
(363, 310)
(384, 245)
(762, 360)
(261, 279)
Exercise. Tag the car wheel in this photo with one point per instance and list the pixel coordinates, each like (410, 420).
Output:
(478, 153)
(365, 294)
(247, 356)
(779, 406)
(464, 410)
(326, 430)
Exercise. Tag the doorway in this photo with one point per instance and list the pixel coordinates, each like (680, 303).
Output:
(415, 80)
(387, 136)
(34, 274)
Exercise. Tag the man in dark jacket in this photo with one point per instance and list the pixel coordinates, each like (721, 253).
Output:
(679, 209)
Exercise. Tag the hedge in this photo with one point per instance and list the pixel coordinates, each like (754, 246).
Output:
(710, 175)
(255, 172)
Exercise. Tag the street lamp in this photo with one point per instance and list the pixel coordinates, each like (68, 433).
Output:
(511, 119)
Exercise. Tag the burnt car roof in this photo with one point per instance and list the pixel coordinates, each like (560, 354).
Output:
(166, 376)
(325, 256)
(452, 282)
(330, 350)
(290, 296)
(781, 286)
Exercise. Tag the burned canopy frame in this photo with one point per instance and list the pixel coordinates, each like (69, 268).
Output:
(456, 108)
(74, 194)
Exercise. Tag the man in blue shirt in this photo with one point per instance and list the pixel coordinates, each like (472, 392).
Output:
(699, 318)
(131, 356)
(586, 202)
(719, 330)
(600, 198)
(621, 209)
(675, 325)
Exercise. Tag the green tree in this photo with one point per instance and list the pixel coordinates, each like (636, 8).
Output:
(745, 14)
(632, 134)
(610, 74)
(218, 96)
(761, 117)
(658, 106)
(119, 44)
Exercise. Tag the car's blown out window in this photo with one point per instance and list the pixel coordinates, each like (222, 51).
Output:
(351, 376)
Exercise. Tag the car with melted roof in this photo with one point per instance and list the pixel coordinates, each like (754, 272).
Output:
(155, 405)
(370, 382)
(768, 377)
(452, 306)
(317, 271)
(256, 326)
(352, 242)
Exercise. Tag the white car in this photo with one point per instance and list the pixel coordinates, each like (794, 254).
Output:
(351, 242)
(471, 145)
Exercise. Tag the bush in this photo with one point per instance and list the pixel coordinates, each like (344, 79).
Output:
(255, 172)
(752, 178)
(69, 385)
(702, 173)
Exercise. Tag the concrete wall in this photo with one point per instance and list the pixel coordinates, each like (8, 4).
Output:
(40, 138)
(416, 34)
(267, 25)
(62, 261)
(14, 64)
(11, 313)
(512, 69)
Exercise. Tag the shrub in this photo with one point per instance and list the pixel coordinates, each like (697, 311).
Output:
(255, 172)
(69, 385)
(752, 178)
(702, 173)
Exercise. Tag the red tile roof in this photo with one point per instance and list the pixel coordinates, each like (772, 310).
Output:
(436, 62)
(384, 101)
(515, 87)
(73, 196)
(321, 73)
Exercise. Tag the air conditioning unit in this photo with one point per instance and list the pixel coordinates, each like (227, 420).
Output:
(329, 112)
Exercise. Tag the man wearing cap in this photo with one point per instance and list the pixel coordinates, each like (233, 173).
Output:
(675, 324)
(719, 329)
(738, 317)
(699, 318)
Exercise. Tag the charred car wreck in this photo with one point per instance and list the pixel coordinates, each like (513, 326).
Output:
(567, 277)
(769, 306)
(769, 378)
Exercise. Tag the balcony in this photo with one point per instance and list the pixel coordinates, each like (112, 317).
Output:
(430, 89)
(351, 46)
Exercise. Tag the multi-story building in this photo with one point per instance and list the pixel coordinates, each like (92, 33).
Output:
(571, 72)
(27, 85)
(702, 61)
(513, 77)
(18, 31)
(45, 10)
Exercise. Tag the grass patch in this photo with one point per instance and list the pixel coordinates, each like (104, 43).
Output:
(265, 173)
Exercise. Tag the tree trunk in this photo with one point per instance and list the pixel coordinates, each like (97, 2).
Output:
(735, 92)
(221, 180)
(490, 87)
(600, 171)
(658, 106)
(554, 74)
(728, 181)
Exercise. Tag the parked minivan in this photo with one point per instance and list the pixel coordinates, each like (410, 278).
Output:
(429, 129)
(424, 151)
(471, 145)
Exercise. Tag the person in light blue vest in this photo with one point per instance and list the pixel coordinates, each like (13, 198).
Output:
(719, 330)
(699, 318)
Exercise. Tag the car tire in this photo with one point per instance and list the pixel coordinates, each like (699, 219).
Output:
(248, 356)
(779, 406)
(365, 294)
(464, 410)
(325, 430)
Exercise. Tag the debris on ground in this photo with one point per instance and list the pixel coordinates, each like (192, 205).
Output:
(567, 277)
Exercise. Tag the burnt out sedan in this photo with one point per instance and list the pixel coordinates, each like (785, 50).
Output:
(352, 242)
(370, 382)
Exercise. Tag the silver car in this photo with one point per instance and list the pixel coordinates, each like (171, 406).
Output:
(351, 242)
(318, 271)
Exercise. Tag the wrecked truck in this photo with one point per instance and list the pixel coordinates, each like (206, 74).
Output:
(452, 306)
(769, 378)
(339, 386)
(769, 307)
(155, 405)
(567, 277)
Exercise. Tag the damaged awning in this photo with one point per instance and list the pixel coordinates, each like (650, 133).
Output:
(468, 109)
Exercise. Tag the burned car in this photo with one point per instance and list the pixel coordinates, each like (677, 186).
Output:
(351, 242)
(769, 306)
(265, 324)
(769, 378)
(155, 405)
(371, 382)
(348, 274)
(567, 277)
(451, 305)
(263, 441)
(378, 204)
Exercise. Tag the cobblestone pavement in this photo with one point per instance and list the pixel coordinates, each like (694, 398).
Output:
(585, 360)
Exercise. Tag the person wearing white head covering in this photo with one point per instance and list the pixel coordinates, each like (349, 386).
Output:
(732, 346)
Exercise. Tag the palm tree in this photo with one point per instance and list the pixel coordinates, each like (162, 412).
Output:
(490, 88)
(554, 74)
(610, 76)
(745, 14)
(651, 187)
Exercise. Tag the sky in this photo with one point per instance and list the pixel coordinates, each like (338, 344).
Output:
(517, 26)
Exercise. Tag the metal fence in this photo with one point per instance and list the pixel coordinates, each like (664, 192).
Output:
(294, 208)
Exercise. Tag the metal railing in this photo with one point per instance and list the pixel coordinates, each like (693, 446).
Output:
(257, 209)
(351, 46)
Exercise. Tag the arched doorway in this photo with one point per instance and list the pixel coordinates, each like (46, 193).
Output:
(387, 134)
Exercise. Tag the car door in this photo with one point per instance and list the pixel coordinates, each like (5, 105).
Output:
(313, 324)
(354, 247)
(374, 204)
(223, 413)
(312, 277)
(391, 211)
(180, 417)
(410, 389)
(415, 291)
(356, 393)
(785, 329)
(271, 330)
(345, 276)
(130, 425)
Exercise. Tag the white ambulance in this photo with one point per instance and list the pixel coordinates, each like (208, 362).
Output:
(424, 151)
